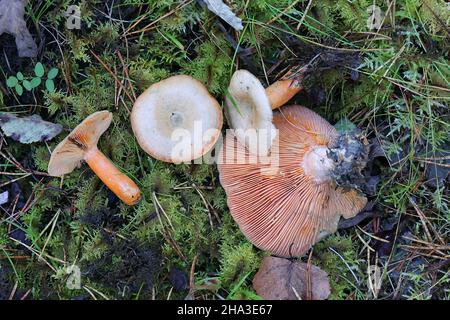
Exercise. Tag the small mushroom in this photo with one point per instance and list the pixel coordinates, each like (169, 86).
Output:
(249, 106)
(177, 120)
(247, 109)
(81, 144)
(287, 211)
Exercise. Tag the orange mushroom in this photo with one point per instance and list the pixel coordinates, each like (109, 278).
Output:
(81, 144)
(281, 91)
(288, 210)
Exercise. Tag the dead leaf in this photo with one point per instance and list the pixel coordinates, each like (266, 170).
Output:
(12, 21)
(29, 129)
(224, 11)
(282, 279)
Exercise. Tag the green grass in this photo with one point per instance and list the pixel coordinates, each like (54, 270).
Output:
(400, 99)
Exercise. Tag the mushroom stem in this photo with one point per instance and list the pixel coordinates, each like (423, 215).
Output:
(282, 91)
(122, 186)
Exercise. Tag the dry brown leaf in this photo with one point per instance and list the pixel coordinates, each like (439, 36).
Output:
(12, 22)
(282, 279)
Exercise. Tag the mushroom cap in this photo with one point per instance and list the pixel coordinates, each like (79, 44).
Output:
(285, 210)
(69, 153)
(177, 120)
(248, 108)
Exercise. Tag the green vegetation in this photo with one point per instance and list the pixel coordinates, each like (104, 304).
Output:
(395, 85)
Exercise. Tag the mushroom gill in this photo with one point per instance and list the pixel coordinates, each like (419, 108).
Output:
(287, 208)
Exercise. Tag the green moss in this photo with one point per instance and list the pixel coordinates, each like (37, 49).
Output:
(337, 265)
(146, 72)
(239, 258)
(236, 261)
(211, 66)
(41, 158)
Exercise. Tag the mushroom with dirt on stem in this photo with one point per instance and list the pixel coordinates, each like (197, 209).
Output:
(286, 206)
(177, 120)
(81, 144)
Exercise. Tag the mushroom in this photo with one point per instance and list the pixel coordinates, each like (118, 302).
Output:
(177, 120)
(81, 144)
(249, 107)
(285, 211)
(249, 112)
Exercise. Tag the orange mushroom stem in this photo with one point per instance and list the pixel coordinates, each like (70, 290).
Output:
(122, 186)
(81, 144)
(280, 92)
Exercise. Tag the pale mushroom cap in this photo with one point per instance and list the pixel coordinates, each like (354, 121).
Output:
(69, 153)
(177, 120)
(287, 211)
(248, 107)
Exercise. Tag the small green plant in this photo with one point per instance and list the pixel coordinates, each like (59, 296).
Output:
(19, 82)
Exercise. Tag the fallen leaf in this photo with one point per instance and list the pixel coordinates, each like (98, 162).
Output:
(282, 279)
(224, 11)
(12, 21)
(29, 129)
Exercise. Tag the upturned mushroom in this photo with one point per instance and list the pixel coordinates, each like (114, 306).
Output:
(81, 144)
(177, 120)
(290, 209)
(249, 106)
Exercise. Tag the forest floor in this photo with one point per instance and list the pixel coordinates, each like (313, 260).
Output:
(389, 76)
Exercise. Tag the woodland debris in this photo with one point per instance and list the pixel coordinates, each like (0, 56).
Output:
(29, 129)
(12, 21)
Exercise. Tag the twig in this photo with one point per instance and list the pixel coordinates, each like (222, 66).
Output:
(115, 78)
(304, 15)
(124, 66)
(151, 24)
(192, 277)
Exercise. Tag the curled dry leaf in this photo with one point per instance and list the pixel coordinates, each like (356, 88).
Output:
(28, 130)
(224, 11)
(12, 21)
(282, 279)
